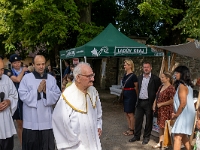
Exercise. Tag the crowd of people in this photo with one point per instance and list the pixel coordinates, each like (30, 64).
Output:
(72, 116)
(159, 97)
(46, 119)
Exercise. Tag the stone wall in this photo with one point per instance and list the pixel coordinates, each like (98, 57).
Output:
(138, 61)
(115, 67)
(111, 72)
(191, 63)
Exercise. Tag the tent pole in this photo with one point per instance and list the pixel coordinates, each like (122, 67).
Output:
(85, 58)
(61, 73)
(169, 62)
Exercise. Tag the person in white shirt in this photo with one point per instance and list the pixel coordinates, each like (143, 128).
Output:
(39, 93)
(8, 105)
(77, 117)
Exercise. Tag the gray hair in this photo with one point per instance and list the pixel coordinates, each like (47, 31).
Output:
(78, 69)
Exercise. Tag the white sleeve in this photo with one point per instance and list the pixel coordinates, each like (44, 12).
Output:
(65, 125)
(12, 96)
(99, 113)
(27, 93)
(52, 92)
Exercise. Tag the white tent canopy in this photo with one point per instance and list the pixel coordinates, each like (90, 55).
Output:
(191, 49)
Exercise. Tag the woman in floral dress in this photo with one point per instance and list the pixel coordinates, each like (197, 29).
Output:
(164, 102)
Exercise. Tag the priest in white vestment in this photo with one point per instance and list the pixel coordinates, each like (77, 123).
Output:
(39, 93)
(77, 117)
(8, 105)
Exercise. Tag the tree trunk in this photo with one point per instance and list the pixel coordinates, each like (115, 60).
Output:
(85, 14)
(53, 54)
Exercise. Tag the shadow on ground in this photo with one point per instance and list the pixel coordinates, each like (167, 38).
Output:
(114, 124)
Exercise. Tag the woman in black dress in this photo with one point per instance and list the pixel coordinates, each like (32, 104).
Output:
(130, 85)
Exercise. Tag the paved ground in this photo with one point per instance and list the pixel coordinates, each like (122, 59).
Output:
(114, 124)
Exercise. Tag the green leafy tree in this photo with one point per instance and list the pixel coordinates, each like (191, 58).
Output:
(129, 20)
(177, 19)
(190, 24)
(87, 33)
(36, 24)
(159, 10)
(49, 26)
(101, 14)
(155, 19)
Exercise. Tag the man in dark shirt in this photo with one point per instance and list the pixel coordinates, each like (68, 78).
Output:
(67, 70)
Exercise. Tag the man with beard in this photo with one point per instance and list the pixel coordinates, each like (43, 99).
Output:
(148, 86)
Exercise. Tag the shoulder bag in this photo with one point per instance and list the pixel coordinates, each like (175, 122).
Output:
(121, 95)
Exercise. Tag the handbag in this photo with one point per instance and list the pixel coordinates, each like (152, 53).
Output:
(122, 92)
(155, 114)
(121, 96)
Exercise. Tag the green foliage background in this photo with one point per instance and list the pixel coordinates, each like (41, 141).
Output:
(48, 26)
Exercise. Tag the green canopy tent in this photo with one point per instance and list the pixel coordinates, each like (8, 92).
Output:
(109, 43)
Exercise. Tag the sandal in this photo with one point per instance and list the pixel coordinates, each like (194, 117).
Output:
(157, 146)
(128, 133)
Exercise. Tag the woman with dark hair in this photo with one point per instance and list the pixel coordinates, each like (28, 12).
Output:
(164, 104)
(184, 111)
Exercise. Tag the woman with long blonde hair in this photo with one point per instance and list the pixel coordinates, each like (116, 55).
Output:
(130, 91)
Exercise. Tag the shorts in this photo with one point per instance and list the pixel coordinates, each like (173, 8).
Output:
(18, 115)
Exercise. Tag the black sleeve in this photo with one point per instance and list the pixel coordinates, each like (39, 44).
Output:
(11, 73)
(157, 83)
(134, 78)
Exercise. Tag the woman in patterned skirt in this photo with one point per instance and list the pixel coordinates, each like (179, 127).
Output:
(164, 102)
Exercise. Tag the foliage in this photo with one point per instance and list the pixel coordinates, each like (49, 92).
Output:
(178, 19)
(159, 10)
(154, 19)
(83, 3)
(191, 22)
(129, 20)
(36, 22)
(87, 33)
(39, 25)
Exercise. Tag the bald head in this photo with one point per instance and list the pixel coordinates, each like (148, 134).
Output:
(1, 67)
(38, 56)
(39, 64)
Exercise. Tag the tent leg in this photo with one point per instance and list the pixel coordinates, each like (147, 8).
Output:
(61, 72)
(169, 63)
(85, 58)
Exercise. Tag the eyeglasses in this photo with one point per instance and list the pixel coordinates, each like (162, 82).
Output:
(88, 76)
